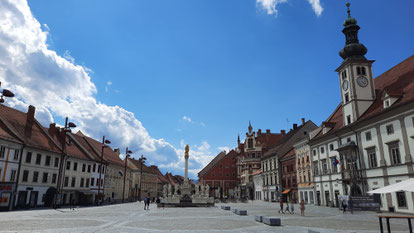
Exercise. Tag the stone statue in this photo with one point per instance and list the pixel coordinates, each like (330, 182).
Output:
(207, 191)
(187, 150)
(202, 190)
(169, 190)
(197, 189)
(164, 190)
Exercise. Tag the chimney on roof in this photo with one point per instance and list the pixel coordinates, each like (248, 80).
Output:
(117, 151)
(295, 126)
(283, 132)
(303, 121)
(31, 113)
(52, 129)
(259, 132)
(267, 131)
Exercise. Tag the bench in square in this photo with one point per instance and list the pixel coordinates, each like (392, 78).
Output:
(226, 208)
(241, 212)
(272, 221)
(258, 218)
(235, 211)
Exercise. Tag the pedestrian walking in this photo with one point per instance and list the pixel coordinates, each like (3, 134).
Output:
(292, 207)
(163, 202)
(351, 205)
(344, 206)
(287, 208)
(158, 201)
(281, 206)
(148, 202)
(145, 203)
(302, 208)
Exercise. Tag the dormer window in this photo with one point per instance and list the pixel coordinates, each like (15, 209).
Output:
(386, 103)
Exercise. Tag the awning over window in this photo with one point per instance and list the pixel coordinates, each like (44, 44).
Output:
(286, 191)
(406, 185)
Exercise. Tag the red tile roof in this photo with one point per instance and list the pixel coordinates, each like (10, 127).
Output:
(33, 134)
(399, 79)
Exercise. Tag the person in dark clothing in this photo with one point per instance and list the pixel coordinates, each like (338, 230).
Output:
(344, 205)
(281, 206)
(351, 205)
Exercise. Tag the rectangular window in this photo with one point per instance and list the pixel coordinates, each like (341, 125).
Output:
(334, 164)
(89, 168)
(395, 154)
(47, 162)
(346, 98)
(35, 177)
(94, 167)
(25, 176)
(348, 119)
(73, 182)
(68, 165)
(44, 179)
(92, 181)
(315, 169)
(38, 158)
(99, 168)
(28, 157)
(66, 181)
(390, 129)
(75, 166)
(372, 157)
(331, 147)
(324, 166)
(83, 167)
(402, 202)
(56, 162)
(2, 151)
(322, 150)
(368, 136)
(103, 169)
(13, 175)
(54, 176)
(82, 182)
(87, 183)
(16, 155)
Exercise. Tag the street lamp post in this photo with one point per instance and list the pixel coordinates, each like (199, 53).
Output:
(127, 152)
(5, 93)
(104, 142)
(66, 129)
(141, 161)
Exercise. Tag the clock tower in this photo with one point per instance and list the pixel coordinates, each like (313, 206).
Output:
(355, 74)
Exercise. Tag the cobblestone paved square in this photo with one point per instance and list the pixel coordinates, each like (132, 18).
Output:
(131, 217)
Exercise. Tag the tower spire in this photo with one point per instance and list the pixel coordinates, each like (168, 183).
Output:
(250, 127)
(353, 50)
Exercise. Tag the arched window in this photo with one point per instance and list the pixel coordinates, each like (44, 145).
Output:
(250, 143)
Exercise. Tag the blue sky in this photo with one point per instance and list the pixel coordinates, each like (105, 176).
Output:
(193, 72)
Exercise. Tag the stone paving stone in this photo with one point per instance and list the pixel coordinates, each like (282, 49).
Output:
(131, 217)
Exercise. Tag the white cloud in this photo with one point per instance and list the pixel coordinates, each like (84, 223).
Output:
(58, 87)
(224, 148)
(186, 118)
(189, 120)
(108, 84)
(316, 6)
(270, 6)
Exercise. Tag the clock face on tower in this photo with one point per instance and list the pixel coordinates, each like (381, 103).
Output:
(345, 85)
(362, 81)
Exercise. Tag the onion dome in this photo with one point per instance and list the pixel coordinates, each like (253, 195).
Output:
(353, 50)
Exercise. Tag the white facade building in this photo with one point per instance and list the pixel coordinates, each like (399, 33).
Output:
(368, 141)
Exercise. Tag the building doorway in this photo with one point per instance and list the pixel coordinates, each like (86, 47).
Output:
(318, 197)
(327, 198)
(33, 199)
(336, 198)
(22, 199)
